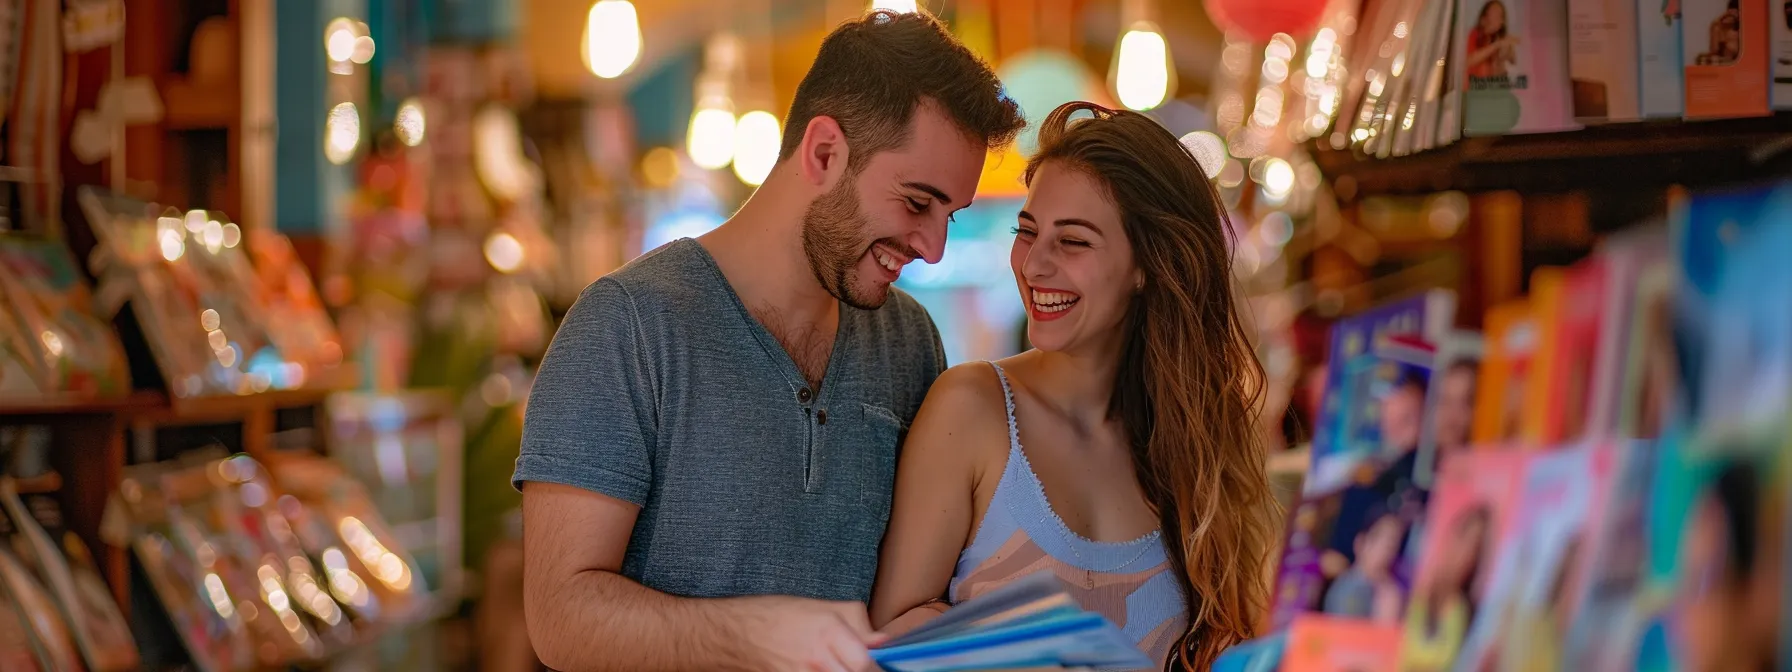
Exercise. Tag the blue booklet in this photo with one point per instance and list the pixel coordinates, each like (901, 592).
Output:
(1031, 622)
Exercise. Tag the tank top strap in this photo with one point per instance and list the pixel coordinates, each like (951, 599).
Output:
(1008, 400)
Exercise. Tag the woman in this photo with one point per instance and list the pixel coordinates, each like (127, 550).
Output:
(1141, 483)
(1490, 49)
(1443, 608)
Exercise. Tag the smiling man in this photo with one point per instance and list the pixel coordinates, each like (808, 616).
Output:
(710, 446)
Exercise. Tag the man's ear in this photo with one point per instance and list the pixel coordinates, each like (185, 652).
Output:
(822, 157)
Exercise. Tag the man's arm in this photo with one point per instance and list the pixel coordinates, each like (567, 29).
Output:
(584, 615)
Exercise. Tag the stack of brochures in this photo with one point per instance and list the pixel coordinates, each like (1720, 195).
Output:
(1029, 623)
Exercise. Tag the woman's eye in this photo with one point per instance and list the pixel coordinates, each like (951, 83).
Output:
(1021, 231)
(1075, 242)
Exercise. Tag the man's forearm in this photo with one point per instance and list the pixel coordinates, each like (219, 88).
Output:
(597, 620)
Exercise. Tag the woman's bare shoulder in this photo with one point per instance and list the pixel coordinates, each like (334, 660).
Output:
(964, 403)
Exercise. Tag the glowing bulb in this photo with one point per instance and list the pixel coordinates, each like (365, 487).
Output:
(1278, 177)
(173, 245)
(1142, 68)
(612, 38)
(233, 235)
(898, 6)
(1209, 151)
(409, 125)
(504, 252)
(339, 40)
(756, 143)
(711, 139)
(212, 235)
(363, 50)
(52, 343)
(209, 319)
(342, 133)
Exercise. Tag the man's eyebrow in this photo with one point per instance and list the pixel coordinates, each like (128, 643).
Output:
(931, 191)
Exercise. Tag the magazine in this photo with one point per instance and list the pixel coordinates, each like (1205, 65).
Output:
(1512, 59)
(56, 646)
(1263, 654)
(1319, 643)
(1450, 402)
(1536, 570)
(1612, 560)
(1548, 291)
(200, 607)
(1031, 622)
(84, 601)
(1470, 510)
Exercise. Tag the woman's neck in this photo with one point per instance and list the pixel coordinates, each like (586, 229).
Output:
(1076, 384)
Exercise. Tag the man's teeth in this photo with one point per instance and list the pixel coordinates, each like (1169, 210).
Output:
(885, 261)
(1052, 302)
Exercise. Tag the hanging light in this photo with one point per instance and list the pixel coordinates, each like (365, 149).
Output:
(612, 38)
(1209, 151)
(898, 6)
(1141, 72)
(711, 139)
(756, 144)
(409, 124)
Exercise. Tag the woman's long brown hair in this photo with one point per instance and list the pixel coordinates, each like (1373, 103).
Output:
(1189, 384)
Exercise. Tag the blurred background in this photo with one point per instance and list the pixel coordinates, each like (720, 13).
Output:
(275, 274)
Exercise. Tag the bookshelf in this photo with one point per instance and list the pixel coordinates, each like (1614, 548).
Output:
(1614, 157)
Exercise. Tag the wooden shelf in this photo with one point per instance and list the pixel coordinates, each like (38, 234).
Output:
(156, 408)
(1617, 157)
(75, 406)
(190, 105)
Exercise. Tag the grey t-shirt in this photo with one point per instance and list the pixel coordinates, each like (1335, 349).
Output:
(660, 389)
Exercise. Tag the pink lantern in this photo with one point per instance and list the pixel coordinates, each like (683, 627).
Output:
(1262, 19)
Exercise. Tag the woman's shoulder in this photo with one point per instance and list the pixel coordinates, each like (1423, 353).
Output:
(969, 389)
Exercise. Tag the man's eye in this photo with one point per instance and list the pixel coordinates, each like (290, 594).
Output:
(915, 206)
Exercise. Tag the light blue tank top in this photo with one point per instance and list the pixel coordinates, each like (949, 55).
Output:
(1129, 582)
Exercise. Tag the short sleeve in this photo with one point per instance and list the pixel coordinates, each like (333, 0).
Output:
(591, 417)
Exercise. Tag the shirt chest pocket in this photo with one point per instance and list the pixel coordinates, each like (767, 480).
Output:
(879, 440)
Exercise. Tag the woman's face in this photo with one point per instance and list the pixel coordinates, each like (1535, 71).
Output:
(1403, 417)
(1493, 18)
(1463, 551)
(1455, 408)
(1072, 261)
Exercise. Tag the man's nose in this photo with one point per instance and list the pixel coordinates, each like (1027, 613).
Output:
(930, 241)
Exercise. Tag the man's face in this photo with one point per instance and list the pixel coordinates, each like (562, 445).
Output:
(860, 234)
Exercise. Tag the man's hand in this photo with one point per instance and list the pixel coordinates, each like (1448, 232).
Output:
(791, 633)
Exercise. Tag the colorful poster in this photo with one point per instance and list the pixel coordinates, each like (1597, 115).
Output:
(1514, 61)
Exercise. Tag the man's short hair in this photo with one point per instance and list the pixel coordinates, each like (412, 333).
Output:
(873, 72)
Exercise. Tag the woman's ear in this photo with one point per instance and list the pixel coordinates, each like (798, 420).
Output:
(1138, 280)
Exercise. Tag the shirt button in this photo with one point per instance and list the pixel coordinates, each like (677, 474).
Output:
(802, 395)
(821, 417)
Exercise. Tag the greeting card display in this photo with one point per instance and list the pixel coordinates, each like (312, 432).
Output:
(99, 630)
(297, 321)
(75, 352)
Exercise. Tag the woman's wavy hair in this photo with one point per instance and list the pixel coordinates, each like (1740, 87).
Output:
(1189, 387)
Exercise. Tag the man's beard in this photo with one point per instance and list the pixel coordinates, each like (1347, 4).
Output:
(834, 241)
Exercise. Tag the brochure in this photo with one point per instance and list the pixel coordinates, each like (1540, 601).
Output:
(1032, 622)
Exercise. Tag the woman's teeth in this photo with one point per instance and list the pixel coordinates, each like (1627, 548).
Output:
(885, 261)
(1052, 302)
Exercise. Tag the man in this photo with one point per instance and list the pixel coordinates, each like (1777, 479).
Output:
(709, 450)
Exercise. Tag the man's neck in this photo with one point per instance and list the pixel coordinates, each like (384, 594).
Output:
(760, 252)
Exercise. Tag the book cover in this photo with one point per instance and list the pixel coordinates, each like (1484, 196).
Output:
(1735, 340)
(1427, 316)
(1512, 342)
(1379, 111)
(1514, 62)
(1470, 510)
(1440, 121)
(1660, 75)
(1602, 60)
(1030, 622)
(1626, 256)
(1534, 577)
(86, 605)
(1319, 643)
(1725, 51)
(1612, 560)
(1538, 420)
(1450, 403)
(1699, 578)
(79, 352)
(1585, 298)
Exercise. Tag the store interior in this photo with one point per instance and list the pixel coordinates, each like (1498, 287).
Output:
(275, 276)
